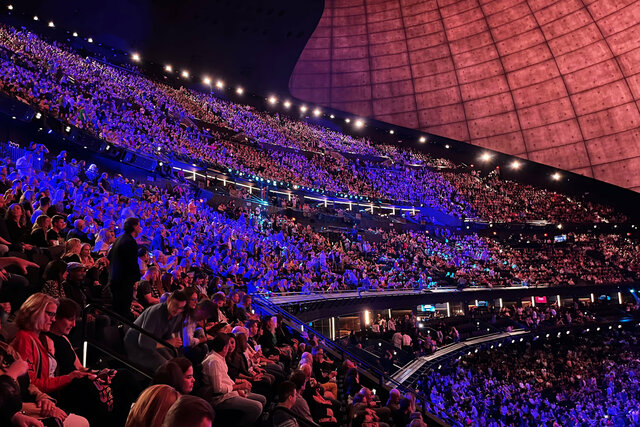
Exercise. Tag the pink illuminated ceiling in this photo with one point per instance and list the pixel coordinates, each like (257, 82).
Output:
(554, 81)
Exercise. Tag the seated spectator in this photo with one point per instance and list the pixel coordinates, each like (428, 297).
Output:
(253, 364)
(270, 344)
(18, 230)
(100, 397)
(54, 275)
(74, 285)
(254, 351)
(85, 256)
(321, 409)
(104, 239)
(282, 415)
(72, 249)
(244, 309)
(219, 298)
(196, 331)
(189, 411)
(365, 400)
(352, 383)
(152, 406)
(188, 379)
(169, 373)
(143, 260)
(238, 368)
(326, 379)
(54, 235)
(225, 395)
(43, 207)
(34, 320)
(39, 232)
(178, 373)
(78, 232)
(149, 288)
(393, 402)
(300, 407)
(22, 403)
(161, 320)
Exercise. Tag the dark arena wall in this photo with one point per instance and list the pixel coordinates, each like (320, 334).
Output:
(553, 81)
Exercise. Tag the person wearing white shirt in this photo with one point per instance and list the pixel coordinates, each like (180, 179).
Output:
(225, 394)
(396, 340)
(406, 340)
(391, 324)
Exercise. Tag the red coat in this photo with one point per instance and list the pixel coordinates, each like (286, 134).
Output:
(27, 344)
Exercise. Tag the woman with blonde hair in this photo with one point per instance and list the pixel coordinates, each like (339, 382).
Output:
(152, 406)
(72, 250)
(34, 319)
(104, 239)
(85, 255)
(39, 231)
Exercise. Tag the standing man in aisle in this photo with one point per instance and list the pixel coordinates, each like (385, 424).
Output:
(124, 271)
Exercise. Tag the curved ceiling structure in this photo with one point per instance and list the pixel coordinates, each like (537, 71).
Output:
(553, 81)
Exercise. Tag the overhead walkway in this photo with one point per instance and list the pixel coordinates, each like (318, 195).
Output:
(409, 373)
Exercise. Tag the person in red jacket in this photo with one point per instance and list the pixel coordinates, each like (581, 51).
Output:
(34, 319)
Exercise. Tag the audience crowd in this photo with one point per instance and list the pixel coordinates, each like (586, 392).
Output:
(184, 271)
(576, 380)
(424, 335)
(132, 111)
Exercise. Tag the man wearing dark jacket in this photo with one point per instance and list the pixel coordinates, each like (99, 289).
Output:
(124, 271)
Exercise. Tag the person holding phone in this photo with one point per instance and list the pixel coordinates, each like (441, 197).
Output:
(34, 320)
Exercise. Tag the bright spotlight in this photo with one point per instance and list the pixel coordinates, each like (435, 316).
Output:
(303, 108)
(135, 57)
(359, 123)
(75, 34)
(219, 84)
(559, 226)
(392, 131)
(317, 112)
(239, 91)
(515, 164)
(272, 100)
(168, 68)
(347, 120)
(10, 7)
(287, 104)
(447, 146)
(185, 74)
(556, 176)
(51, 24)
(485, 157)
(332, 116)
(423, 139)
(206, 80)
(90, 40)
(35, 18)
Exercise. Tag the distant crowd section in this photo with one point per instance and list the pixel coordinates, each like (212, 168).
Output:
(135, 112)
(186, 271)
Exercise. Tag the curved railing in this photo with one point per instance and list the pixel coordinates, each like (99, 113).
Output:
(365, 369)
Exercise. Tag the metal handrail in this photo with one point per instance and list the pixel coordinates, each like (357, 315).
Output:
(382, 377)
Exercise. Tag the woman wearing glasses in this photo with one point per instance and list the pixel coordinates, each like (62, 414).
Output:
(34, 320)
